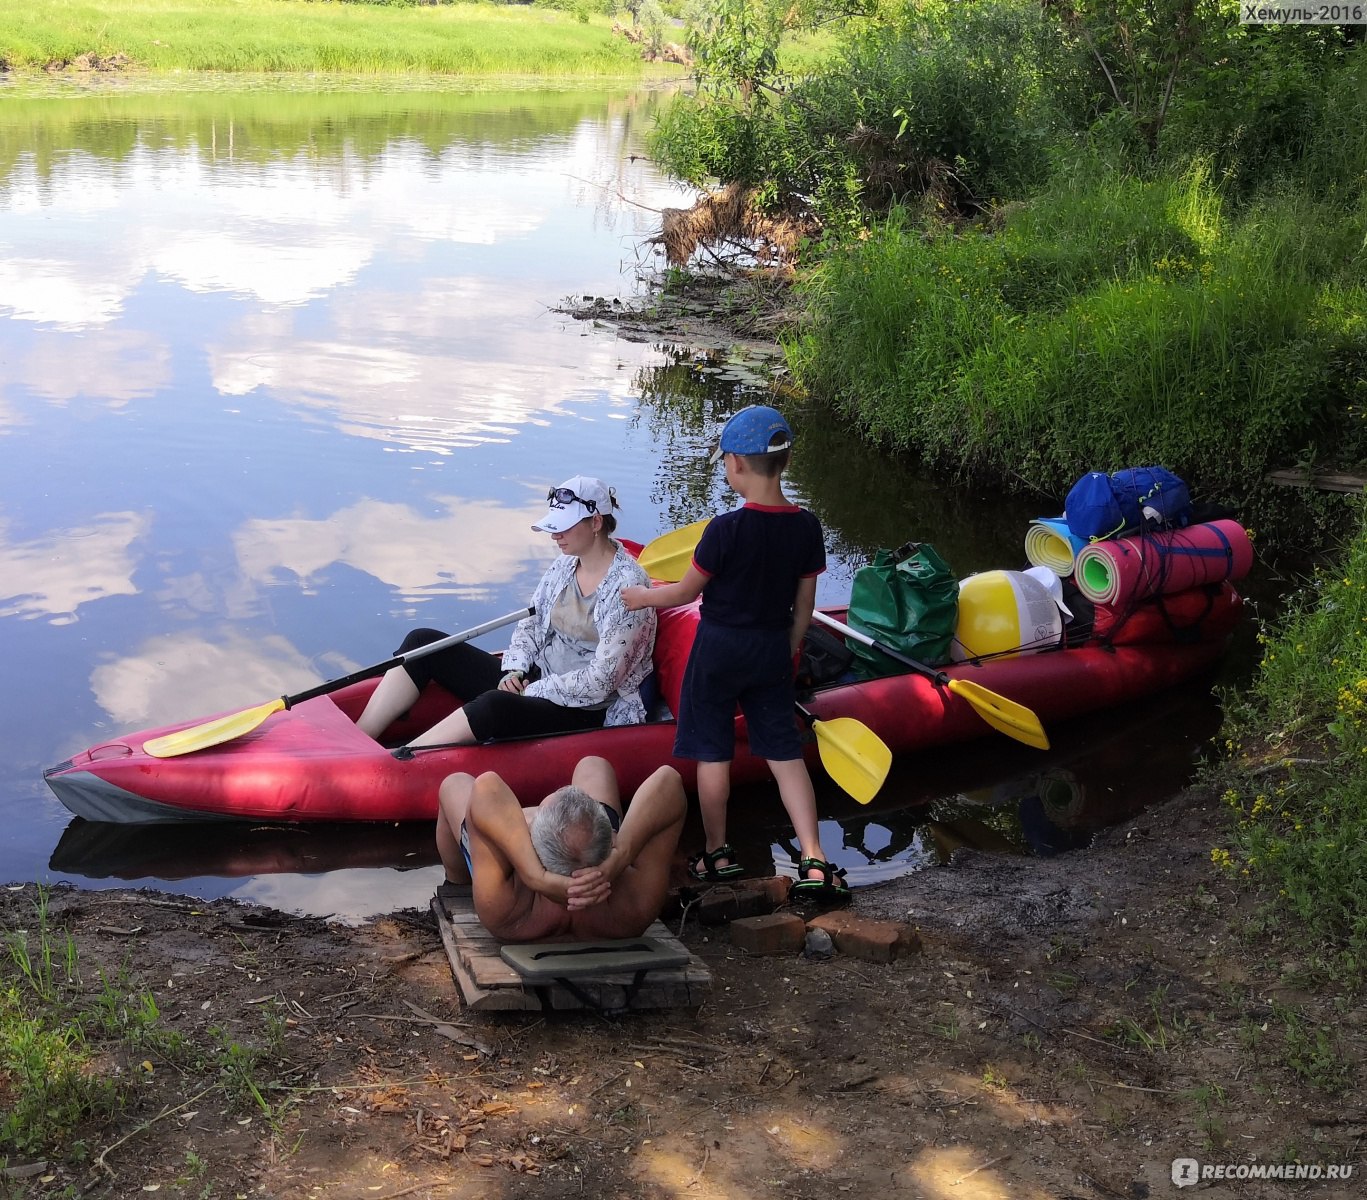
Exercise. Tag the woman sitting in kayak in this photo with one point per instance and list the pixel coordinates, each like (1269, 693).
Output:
(576, 663)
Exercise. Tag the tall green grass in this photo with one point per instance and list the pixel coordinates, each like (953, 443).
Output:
(1099, 325)
(1301, 830)
(297, 35)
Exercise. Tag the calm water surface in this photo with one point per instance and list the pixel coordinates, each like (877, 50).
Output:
(280, 377)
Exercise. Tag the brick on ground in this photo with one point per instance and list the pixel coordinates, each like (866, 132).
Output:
(869, 939)
(723, 902)
(772, 933)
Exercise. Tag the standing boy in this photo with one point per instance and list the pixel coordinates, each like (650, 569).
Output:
(756, 570)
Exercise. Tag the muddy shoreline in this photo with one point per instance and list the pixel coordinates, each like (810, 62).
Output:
(1070, 1026)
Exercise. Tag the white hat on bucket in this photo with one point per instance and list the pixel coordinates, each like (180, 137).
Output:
(1052, 584)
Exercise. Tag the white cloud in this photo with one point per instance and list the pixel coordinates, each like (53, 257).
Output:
(54, 576)
(176, 676)
(275, 270)
(469, 552)
(113, 366)
(462, 362)
(66, 294)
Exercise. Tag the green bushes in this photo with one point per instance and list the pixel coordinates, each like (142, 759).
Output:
(1254, 107)
(954, 105)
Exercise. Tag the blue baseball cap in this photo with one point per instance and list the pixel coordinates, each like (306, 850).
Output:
(752, 430)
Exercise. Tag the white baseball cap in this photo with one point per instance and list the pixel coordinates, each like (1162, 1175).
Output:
(579, 497)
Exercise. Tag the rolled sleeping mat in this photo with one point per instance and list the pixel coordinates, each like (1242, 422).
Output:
(1119, 571)
(1050, 543)
(1200, 615)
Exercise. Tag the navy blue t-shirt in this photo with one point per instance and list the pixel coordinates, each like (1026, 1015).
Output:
(753, 559)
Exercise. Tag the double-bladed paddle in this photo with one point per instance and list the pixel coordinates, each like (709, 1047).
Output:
(1010, 718)
(855, 757)
(667, 558)
(223, 729)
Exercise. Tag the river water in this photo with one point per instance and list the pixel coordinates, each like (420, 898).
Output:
(281, 375)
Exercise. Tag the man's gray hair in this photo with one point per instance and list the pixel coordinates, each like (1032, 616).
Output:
(573, 832)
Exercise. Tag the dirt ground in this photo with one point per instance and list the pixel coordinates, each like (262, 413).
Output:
(1072, 1025)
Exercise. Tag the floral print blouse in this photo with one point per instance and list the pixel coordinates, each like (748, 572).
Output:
(625, 643)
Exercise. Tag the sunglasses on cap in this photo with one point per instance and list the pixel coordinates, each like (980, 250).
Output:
(566, 496)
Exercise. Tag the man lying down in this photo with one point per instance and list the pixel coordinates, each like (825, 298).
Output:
(571, 868)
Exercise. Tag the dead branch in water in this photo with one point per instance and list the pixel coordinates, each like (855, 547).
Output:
(731, 216)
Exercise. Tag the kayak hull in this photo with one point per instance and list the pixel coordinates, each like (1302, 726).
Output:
(310, 763)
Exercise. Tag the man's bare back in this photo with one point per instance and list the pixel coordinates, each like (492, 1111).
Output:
(518, 899)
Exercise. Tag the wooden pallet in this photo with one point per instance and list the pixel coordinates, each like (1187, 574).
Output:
(487, 983)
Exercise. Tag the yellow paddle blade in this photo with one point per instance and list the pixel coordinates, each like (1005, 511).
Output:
(1012, 719)
(853, 755)
(211, 733)
(668, 557)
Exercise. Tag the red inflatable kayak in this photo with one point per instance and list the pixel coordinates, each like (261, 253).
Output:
(311, 763)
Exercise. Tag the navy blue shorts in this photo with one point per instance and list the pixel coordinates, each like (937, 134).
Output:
(749, 667)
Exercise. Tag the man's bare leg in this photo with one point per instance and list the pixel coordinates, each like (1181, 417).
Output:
(647, 843)
(453, 802)
(596, 777)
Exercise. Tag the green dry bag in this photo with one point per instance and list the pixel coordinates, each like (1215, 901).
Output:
(907, 599)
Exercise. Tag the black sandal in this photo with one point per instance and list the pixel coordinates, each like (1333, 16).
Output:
(703, 866)
(829, 888)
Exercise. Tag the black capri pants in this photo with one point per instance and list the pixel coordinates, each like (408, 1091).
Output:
(472, 675)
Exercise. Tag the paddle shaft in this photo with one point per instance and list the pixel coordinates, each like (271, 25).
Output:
(1006, 716)
(940, 678)
(455, 639)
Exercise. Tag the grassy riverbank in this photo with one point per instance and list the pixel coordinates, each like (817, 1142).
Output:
(1297, 780)
(298, 36)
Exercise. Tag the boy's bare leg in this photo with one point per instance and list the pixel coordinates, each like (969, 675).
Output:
(647, 842)
(714, 794)
(799, 801)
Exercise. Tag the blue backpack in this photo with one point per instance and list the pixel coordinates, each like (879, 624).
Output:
(1137, 498)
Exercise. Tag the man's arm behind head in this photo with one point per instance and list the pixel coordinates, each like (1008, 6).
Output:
(501, 844)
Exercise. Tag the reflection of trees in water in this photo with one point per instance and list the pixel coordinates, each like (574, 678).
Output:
(1001, 797)
(864, 497)
(683, 405)
(98, 850)
(259, 127)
